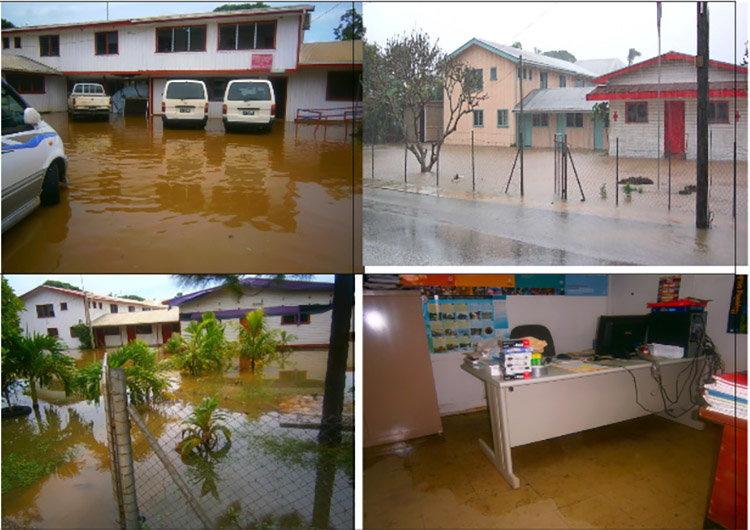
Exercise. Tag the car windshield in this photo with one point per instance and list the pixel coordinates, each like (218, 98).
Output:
(89, 89)
(185, 91)
(249, 92)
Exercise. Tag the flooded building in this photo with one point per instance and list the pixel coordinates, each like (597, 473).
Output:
(653, 109)
(301, 308)
(506, 75)
(153, 327)
(134, 58)
(54, 311)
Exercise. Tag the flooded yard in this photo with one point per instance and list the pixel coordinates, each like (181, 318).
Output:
(142, 198)
(266, 477)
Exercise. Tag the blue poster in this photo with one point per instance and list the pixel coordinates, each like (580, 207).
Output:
(456, 324)
(586, 284)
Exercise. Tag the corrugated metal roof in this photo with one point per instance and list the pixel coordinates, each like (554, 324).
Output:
(668, 90)
(98, 297)
(530, 58)
(337, 52)
(571, 99)
(601, 66)
(284, 285)
(138, 317)
(19, 63)
(168, 18)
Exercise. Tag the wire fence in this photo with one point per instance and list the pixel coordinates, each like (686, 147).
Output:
(608, 180)
(268, 470)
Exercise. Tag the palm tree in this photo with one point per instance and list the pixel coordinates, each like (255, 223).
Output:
(257, 343)
(41, 358)
(632, 54)
(202, 348)
(202, 431)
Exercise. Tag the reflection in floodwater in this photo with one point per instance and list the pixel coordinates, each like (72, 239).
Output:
(144, 198)
(265, 478)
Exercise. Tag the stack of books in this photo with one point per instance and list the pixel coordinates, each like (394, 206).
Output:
(727, 394)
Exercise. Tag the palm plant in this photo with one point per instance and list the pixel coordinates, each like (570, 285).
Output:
(283, 349)
(257, 343)
(145, 377)
(40, 359)
(202, 431)
(203, 347)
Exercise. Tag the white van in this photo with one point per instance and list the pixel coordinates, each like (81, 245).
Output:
(184, 102)
(249, 103)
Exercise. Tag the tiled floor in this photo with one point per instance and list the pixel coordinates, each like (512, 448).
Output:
(643, 473)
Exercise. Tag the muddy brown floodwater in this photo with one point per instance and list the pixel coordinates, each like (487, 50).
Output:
(147, 199)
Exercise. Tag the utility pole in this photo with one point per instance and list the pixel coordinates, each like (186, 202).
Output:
(701, 163)
(521, 139)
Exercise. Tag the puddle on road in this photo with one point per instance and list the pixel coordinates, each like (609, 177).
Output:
(144, 198)
(253, 481)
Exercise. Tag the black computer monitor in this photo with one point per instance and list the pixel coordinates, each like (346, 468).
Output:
(620, 335)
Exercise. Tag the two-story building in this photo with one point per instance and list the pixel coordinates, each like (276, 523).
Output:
(653, 107)
(134, 58)
(507, 74)
(54, 311)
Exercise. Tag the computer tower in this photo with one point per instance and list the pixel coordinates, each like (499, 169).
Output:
(678, 329)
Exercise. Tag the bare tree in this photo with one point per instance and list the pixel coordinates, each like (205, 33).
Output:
(411, 72)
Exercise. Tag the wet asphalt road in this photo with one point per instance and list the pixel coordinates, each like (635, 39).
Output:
(411, 229)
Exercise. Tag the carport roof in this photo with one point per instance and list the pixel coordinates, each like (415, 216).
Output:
(161, 316)
(331, 53)
(553, 100)
(19, 63)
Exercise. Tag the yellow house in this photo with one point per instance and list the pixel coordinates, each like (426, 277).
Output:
(508, 74)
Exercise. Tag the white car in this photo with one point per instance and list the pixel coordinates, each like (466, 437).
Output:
(185, 102)
(249, 103)
(34, 165)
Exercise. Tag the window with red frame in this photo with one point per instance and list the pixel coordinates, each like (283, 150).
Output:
(52, 332)
(49, 45)
(718, 112)
(256, 36)
(106, 43)
(26, 84)
(344, 86)
(181, 39)
(287, 320)
(636, 112)
(45, 311)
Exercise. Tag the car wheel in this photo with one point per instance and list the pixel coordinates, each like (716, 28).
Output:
(51, 186)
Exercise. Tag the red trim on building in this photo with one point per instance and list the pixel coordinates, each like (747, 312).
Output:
(669, 56)
(669, 94)
(178, 72)
(332, 65)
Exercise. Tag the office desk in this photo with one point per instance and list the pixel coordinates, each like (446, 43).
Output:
(523, 411)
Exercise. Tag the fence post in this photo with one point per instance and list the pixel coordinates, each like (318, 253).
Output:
(521, 136)
(115, 397)
(669, 175)
(473, 183)
(405, 151)
(617, 171)
(372, 160)
(437, 182)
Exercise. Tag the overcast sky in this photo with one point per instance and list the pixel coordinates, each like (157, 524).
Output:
(588, 30)
(149, 286)
(327, 15)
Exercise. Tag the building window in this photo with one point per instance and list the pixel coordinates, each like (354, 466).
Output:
(542, 79)
(26, 84)
(49, 45)
(113, 308)
(540, 120)
(563, 81)
(580, 82)
(16, 42)
(106, 43)
(478, 118)
(146, 309)
(636, 112)
(718, 112)
(131, 309)
(260, 36)
(287, 320)
(531, 77)
(52, 332)
(493, 73)
(63, 306)
(524, 73)
(143, 329)
(45, 311)
(111, 330)
(100, 305)
(574, 120)
(74, 331)
(502, 117)
(181, 39)
(476, 79)
(344, 86)
(6, 43)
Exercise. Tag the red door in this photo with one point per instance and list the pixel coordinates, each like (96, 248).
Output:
(131, 334)
(674, 127)
(166, 332)
(99, 337)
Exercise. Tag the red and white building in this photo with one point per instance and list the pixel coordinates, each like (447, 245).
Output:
(136, 57)
(654, 112)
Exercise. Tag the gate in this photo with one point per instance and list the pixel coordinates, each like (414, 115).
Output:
(562, 158)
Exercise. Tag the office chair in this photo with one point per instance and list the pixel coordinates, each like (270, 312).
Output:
(538, 332)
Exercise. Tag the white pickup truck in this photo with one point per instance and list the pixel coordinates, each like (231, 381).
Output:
(88, 99)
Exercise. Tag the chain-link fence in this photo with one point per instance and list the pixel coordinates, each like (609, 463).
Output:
(204, 466)
(609, 181)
